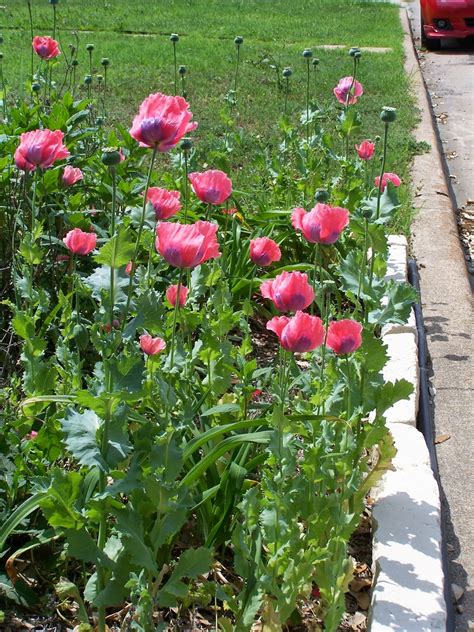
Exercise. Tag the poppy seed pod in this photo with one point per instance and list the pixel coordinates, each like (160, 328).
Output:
(53, 1)
(353, 50)
(100, 78)
(315, 61)
(75, 62)
(1, 55)
(88, 80)
(186, 144)
(388, 115)
(321, 195)
(110, 156)
(357, 54)
(174, 37)
(90, 48)
(105, 61)
(1, 39)
(35, 87)
(182, 70)
(238, 40)
(287, 72)
(307, 53)
(99, 121)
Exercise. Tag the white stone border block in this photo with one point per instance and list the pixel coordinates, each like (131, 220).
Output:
(408, 591)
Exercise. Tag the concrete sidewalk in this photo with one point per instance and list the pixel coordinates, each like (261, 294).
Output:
(447, 306)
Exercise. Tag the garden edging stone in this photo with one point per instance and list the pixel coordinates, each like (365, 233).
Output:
(408, 593)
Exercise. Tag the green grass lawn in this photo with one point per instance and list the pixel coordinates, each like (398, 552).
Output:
(135, 36)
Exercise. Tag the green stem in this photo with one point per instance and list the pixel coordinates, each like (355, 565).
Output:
(348, 387)
(139, 236)
(175, 70)
(379, 196)
(364, 261)
(54, 21)
(32, 36)
(175, 318)
(186, 183)
(287, 87)
(236, 71)
(112, 235)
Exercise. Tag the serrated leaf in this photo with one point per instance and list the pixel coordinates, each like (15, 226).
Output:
(192, 563)
(80, 430)
(118, 250)
(59, 504)
(392, 392)
(99, 280)
(399, 299)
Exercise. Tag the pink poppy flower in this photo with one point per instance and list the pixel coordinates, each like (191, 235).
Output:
(172, 293)
(187, 245)
(71, 175)
(128, 268)
(229, 211)
(322, 225)
(348, 91)
(152, 346)
(211, 187)
(365, 150)
(162, 121)
(45, 47)
(289, 291)
(344, 336)
(166, 203)
(40, 148)
(264, 251)
(298, 334)
(79, 242)
(388, 177)
(31, 436)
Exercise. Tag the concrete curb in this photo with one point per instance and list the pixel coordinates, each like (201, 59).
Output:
(408, 593)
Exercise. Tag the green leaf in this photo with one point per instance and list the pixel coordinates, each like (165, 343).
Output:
(99, 280)
(222, 408)
(399, 299)
(351, 276)
(192, 563)
(392, 392)
(350, 121)
(81, 430)
(84, 548)
(118, 250)
(21, 512)
(58, 504)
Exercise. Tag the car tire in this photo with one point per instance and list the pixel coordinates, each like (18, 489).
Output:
(428, 42)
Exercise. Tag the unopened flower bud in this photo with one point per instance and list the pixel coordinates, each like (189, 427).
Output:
(238, 40)
(321, 195)
(75, 62)
(90, 47)
(111, 156)
(307, 53)
(88, 80)
(174, 37)
(287, 72)
(182, 70)
(105, 61)
(388, 115)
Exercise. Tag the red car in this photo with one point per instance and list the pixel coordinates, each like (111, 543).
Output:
(445, 19)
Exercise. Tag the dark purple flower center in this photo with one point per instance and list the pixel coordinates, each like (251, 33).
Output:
(346, 345)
